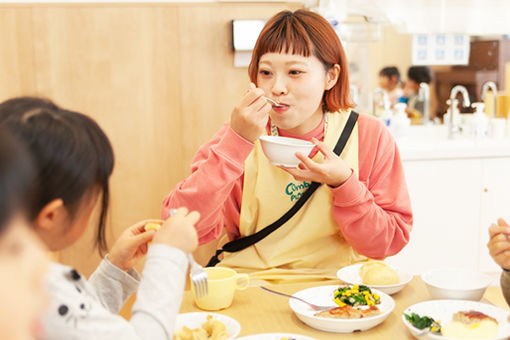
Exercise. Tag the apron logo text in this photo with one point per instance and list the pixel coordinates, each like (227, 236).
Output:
(296, 190)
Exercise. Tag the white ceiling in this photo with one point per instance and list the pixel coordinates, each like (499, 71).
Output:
(474, 17)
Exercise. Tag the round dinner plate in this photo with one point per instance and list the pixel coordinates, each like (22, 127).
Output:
(443, 311)
(196, 319)
(276, 336)
(350, 275)
(323, 296)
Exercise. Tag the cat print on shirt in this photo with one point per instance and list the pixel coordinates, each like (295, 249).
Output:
(78, 309)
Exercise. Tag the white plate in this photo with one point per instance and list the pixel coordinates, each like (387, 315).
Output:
(350, 275)
(275, 336)
(323, 295)
(195, 320)
(443, 311)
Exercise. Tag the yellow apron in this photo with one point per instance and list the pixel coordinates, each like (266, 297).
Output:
(309, 246)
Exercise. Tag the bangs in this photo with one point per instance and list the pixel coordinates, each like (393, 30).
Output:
(307, 34)
(288, 37)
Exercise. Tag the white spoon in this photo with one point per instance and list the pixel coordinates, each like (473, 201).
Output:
(275, 104)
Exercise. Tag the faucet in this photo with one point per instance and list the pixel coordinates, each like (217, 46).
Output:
(386, 101)
(424, 95)
(453, 128)
(490, 85)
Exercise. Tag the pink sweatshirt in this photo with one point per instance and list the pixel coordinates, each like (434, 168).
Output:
(373, 211)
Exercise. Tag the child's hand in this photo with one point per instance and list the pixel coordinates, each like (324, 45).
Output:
(499, 244)
(131, 245)
(179, 231)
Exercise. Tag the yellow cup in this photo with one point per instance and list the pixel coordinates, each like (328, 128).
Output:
(222, 284)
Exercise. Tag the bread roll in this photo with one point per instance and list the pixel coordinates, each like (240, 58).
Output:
(378, 273)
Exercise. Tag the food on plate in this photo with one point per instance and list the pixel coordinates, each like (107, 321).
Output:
(422, 322)
(355, 295)
(471, 325)
(210, 330)
(348, 312)
(378, 273)
(352, 303)
(152, 226)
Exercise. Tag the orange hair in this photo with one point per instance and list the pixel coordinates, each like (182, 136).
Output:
(305, 33)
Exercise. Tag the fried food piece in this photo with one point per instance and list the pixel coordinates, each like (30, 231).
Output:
(472, 316)
(210, 330)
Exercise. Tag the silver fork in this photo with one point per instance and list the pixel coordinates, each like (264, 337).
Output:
(197, 273)
(275, 104)
(198, 277)
(312, 305)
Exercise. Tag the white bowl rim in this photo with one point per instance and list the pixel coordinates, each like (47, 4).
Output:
(280, 140)
(474, 287)
(273, 334)
(441, 301)
(350, 321)
(408, 276)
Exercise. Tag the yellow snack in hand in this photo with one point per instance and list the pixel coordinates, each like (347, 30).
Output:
(378, 273)
(152, 226)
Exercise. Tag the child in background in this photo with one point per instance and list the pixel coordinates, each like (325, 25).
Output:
(499, 248)
(23, 263)
(415, 76)
(74, 160)
(389, 80)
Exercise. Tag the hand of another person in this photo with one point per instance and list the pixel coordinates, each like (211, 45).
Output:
(131, 245)
(499, 244)
(249, 118)
(178, 231)
(334, 171)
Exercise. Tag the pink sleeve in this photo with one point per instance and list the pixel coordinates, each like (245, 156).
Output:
(214, 187)
(374, 211)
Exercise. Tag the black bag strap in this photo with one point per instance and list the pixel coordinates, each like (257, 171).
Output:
(245, 242)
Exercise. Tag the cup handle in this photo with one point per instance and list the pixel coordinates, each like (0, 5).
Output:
(242, 281)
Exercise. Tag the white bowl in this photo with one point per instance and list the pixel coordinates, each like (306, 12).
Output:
(451, 283)
(275, 336)
(196, 319)
(443, 311)
(323, 295)
(350, 275)
(282, 150)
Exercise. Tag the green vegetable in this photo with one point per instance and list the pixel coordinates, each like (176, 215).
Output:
(423, 322)
(356, 295)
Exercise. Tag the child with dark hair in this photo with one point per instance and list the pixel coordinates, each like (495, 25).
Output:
(73, 161)
(23, 263)
(389, 80)
(415, 76)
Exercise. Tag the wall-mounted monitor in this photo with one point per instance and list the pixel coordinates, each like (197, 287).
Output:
(245, 34)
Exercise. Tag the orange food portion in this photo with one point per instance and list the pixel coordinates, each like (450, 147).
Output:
(348, 312)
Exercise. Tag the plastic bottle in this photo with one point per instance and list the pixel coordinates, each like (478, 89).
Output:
(399, 122)
(480, 123)
(456, 113)
(386, 116)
